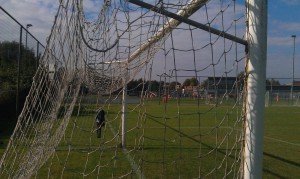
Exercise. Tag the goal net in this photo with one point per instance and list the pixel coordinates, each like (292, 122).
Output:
(169, 76)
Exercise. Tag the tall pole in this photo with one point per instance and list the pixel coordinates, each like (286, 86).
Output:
(37, 54)
(26, 38)
(27, 27)
(271, 99)
(18, 75)
(293, 79)
(124, 111)
(256, 87)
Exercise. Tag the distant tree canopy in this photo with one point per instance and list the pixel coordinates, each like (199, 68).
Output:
(9, 53)
(173, 85)
(272, 82)
(191, 82)
(136, 86)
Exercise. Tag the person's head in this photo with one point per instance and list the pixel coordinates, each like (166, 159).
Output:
(102, 112)
(99, 109)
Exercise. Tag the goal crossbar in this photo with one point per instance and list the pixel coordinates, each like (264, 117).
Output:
(189, 21)
(185, 12)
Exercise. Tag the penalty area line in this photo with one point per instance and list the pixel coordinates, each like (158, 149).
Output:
(283, 141)
(130, 159)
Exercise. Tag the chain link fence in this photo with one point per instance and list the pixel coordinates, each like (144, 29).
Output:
(19, 58)
(283, 92)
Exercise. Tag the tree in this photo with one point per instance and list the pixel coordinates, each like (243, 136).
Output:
(272, 82)
(9, 53)
(194, 82)
(173, 85)
(191, 82)
(154, 86)
(187, 82)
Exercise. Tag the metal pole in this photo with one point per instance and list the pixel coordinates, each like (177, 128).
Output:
(293, 79)
(37, 54)
(26, 39)
(271, 100)
(159, 90)
(124, 111)
(256, 87)
(27, 27)
(18, 73)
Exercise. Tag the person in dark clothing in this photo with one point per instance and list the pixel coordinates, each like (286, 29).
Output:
(100, 121)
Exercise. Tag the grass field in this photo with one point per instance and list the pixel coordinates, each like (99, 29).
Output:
(171, 140)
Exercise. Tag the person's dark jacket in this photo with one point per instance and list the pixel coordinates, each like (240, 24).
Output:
(100, 118)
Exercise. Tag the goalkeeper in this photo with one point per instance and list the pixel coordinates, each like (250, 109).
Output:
(100, 121)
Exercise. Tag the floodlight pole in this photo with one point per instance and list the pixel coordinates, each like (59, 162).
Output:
(256, 87)
(18, 74)
(27, 28)
(124, 110)
(293, 79)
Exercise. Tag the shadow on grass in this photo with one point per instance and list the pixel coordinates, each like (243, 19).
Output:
(282, 159)
(273, 173)
(279, 159)
(6, 129)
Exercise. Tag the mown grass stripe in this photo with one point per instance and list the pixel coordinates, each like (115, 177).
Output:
(134, 166)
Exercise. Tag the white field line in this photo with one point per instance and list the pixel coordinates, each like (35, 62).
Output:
(192, 127)
(283, 141)
(134, 166)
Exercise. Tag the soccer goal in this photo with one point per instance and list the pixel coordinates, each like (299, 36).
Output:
(146, 65)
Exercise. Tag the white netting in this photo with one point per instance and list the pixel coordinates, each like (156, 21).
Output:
(174, 128)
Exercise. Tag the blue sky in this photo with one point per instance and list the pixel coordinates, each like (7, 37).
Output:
(283, 19)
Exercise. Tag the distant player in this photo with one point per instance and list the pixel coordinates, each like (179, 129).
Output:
(100, 121)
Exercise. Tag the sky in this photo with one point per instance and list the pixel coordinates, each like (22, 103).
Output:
(283, 21)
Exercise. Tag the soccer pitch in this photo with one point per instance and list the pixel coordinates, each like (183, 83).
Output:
(160, 144)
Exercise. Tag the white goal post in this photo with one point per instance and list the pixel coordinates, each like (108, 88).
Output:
(222, 138)
(256, 87)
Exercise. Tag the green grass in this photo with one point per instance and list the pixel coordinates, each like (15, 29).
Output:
(282, 158)
(171, 140)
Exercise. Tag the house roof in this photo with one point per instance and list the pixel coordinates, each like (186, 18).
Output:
(223, 78)
(296, 83)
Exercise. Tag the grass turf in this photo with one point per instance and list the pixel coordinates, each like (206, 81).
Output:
(167, 142)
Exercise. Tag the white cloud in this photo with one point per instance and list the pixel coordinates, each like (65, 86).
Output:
(280, 41)
(39, 13)
(291, 2)
(286, 26)
(292, 26)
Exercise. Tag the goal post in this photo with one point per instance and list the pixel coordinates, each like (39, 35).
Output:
(188, 137)
(267, 99)
(256, 87)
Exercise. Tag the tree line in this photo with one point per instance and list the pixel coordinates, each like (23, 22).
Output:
(12, 72)
(137, 85)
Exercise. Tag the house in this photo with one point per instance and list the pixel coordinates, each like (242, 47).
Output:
(284, 88)
(222, 85)
(190, 91)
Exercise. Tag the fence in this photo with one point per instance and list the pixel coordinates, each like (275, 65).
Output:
(283, 92)
(19, 58)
